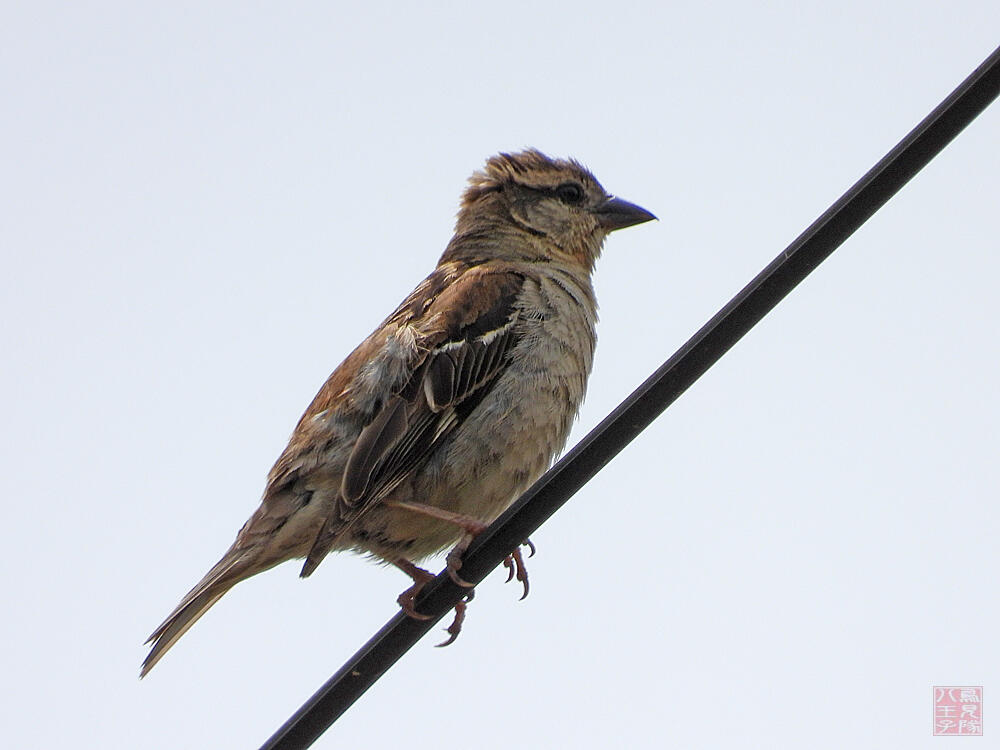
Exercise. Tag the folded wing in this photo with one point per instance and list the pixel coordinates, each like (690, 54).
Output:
(465, 337)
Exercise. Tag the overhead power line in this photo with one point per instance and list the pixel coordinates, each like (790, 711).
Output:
(689, 363)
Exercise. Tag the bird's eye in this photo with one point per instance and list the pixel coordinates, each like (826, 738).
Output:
(570, 193)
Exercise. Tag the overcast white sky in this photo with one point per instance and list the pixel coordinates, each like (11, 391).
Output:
(206, 206)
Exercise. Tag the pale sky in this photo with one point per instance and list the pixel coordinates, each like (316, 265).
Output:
(207, 206)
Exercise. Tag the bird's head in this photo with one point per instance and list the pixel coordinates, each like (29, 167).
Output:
(557, 206)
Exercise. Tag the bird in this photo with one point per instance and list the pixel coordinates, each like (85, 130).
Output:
(454, 405)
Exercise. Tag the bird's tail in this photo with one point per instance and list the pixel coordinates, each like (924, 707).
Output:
(230, 570)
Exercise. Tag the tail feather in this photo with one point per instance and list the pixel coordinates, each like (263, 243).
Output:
(229, 571)
(176, 626)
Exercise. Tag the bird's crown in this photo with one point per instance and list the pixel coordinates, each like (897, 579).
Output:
(530, 168)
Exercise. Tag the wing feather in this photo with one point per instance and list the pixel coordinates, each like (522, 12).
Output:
(468, 331)
(378, 438)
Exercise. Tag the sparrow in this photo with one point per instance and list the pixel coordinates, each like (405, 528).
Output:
(456, 403)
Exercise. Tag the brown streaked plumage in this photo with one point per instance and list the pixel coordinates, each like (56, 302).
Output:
(454, 405)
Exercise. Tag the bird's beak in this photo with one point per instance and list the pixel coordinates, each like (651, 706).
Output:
(615, 213)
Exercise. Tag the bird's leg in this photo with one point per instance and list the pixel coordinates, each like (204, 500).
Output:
(471, 527)
(420, 579)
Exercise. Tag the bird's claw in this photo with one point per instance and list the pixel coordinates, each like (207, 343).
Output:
(514, 562)
(456, 624)
(406, 603)
(454, 564)
(407, 600)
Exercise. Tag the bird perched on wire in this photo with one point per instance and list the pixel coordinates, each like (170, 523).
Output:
(456, 403)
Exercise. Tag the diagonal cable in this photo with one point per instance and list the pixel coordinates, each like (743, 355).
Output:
(662, 388)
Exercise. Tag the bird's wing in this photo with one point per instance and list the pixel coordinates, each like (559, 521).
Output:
(464, 335)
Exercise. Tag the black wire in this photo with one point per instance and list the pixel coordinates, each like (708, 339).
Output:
(604, 442)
